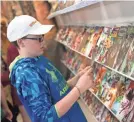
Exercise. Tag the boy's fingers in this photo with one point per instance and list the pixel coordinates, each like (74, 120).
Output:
(89, 71)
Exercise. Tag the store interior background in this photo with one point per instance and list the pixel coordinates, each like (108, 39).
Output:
(103, 14)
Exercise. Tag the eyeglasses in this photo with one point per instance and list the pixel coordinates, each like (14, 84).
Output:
(40, 39)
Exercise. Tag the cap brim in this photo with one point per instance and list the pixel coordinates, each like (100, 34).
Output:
(42, 29)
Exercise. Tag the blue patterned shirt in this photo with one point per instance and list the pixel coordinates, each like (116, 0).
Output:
(40, 86)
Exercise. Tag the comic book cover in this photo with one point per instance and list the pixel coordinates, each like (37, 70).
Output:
(72, 35)
(123, 49)
(128, 63)
(93, 40)
(100, 44)
(104, 86)
(87, 47)
(87, 97)
(90, 31)
(108, 43)
(63, 34)
(127, 103)
(78, 39)
(99, 112)
(69, 36)
(130, 116)
(58, 36)
(109, 118)
(113, 48)
(99, 73)
(111, 86)
(84, 39)
(124, 84)
(104, 115)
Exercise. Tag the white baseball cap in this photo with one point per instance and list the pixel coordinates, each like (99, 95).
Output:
(24, 25)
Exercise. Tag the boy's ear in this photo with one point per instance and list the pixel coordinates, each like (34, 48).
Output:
(20, 43)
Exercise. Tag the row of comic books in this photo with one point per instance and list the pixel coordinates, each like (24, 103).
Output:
(113, 90)
(114, 45)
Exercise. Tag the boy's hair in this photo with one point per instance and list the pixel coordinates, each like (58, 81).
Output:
(15, 44)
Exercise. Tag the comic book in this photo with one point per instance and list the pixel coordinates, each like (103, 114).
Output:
(128, 63)
(129, 117)
(123, 49)
(90, 31)
(78, 39)
(104, 115)
(124, 84)
(84, 39)
(72, 35)
(110, 86)
(99, 73)
(113, 48)
(100, 44)
(99, 112)
(68, 38)
(127, 103)
(93, 40)
(87, 47)
(107, 44)
(58, 36)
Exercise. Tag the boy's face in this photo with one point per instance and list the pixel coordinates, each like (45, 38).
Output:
(33, 45)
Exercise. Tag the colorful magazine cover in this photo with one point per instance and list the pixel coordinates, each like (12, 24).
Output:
(99, 73)
(125, 82)
(130, 116)
(128, 63)
(58, 36)
(70, 35)
(107, 44)
(123, 49)
(100, 44)
(104, 115)
(111, 85)
(104, 86)
(93, 40)
(99, 112)
(84, 39)
(127, 103)
(90, 31)
(78, 39)
(113, 48)
(87, 47)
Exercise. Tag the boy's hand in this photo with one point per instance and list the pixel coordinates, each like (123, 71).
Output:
(86, 81)
(82, 71)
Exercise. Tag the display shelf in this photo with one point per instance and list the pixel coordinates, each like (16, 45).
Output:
(68, 67)
(129, 77)
(74, 7)
(103, 13)
(89, 109)
(94, 95)
(105, 105)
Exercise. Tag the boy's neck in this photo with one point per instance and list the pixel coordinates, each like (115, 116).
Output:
(25, 55)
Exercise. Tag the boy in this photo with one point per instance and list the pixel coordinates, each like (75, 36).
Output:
(40, 86)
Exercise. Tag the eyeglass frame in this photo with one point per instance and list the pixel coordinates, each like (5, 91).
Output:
(40, 39)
